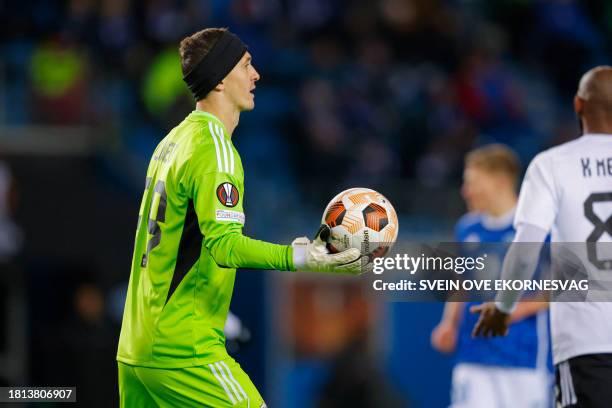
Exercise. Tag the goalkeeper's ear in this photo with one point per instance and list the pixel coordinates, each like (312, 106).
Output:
(323, 234)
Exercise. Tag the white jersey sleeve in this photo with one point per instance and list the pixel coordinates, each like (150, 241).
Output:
(520, 262)
(538, 199)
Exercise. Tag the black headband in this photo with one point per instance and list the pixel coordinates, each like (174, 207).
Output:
(215, 65)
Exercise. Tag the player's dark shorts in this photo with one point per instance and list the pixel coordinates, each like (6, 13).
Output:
(585, 382)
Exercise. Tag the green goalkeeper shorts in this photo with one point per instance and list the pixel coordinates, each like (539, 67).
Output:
(217, 385)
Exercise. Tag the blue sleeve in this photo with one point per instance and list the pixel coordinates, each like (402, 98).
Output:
(462, 226)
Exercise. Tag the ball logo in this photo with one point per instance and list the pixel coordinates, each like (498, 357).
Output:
(227, 194)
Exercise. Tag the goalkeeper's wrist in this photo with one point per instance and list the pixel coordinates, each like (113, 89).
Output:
(298, 254)
(290, 263)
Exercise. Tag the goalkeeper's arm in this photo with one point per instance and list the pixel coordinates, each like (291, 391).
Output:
(221, 225)
(235, 250)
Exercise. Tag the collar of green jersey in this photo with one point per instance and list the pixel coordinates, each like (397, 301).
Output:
(206, 116)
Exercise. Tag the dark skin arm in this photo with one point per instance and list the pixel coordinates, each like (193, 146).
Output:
(492, 322)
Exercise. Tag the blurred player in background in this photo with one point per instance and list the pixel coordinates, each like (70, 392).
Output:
(568, 191)
(505, 372)
(189, 243)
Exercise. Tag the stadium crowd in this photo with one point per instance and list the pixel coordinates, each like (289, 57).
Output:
(374, 90)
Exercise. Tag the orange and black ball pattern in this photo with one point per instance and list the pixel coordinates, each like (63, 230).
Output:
(335, 214)
(375, 217)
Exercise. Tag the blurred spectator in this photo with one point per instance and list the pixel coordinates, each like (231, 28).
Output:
(85, 351)
(163, 86)
(58, 83)
(356, 381)
(115, 26)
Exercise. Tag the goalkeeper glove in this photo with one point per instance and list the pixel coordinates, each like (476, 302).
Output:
(314, 257)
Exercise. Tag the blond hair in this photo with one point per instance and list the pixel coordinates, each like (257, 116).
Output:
(495, 158)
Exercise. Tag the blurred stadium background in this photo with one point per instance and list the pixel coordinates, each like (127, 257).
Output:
(384, 94)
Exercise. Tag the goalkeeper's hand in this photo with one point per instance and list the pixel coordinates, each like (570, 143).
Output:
(313, 256)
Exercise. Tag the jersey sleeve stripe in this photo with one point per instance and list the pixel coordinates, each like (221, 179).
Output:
(570, 383)
(234, 379)
(563, 381)
(229, 148)
(231, 151)
(221, 139)
(227, 391)
(218, 365)
(212, 134)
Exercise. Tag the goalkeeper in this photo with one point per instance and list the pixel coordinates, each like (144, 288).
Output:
(189, 243)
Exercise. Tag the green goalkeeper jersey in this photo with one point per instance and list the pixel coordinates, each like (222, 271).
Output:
(188, 243)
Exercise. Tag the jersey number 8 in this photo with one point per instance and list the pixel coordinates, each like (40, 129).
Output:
(601, 227)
